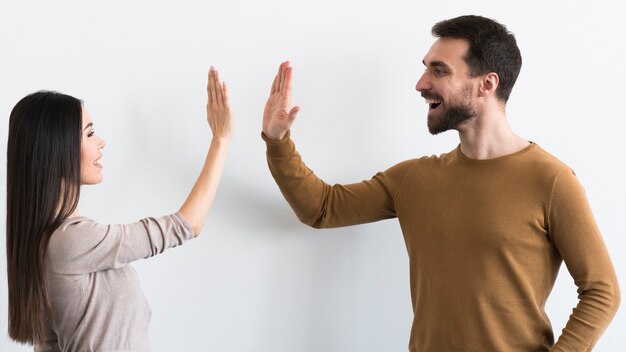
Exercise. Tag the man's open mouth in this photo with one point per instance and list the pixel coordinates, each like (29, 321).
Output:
(433, 103)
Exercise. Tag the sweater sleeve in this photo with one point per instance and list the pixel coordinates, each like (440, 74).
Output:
(578, 240)
(321, 205)
(81, 245)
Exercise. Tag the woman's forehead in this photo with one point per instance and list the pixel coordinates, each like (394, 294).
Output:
(86, 117)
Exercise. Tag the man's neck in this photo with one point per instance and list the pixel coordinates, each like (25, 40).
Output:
(489, 137)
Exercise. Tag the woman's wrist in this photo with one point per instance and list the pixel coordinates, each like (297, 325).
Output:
(221, 140)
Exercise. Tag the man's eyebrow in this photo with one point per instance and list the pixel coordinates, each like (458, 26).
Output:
(440, 64)
(88, 125)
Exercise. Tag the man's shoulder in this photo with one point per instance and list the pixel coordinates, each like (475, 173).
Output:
(543, 162)
(423, 161)
(421, 165)
(437, 160)
(434, 159)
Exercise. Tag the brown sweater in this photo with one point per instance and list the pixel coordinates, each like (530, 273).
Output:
(485, 239)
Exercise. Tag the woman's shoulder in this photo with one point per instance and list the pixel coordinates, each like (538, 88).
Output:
(81, 245)
(71, 227)
(70, 242)
(74, 234)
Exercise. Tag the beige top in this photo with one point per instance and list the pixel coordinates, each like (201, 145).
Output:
(485, 239)
(97, 302)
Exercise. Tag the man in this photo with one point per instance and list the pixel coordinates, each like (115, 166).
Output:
(486, 225)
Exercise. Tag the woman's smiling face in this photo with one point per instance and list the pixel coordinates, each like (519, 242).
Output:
(90, 153)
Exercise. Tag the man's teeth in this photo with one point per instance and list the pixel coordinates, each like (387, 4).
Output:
(433, 101)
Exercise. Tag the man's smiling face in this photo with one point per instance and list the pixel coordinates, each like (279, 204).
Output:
(447, 86)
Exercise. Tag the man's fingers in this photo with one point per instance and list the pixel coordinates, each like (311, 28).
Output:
(283, 82)
(287, 83)
(277, 79)
(279, 87)
(274, 85)
(292, 113)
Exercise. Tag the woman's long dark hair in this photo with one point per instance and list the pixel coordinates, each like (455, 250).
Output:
(43, 187)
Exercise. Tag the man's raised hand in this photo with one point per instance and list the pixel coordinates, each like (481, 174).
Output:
(279, 115)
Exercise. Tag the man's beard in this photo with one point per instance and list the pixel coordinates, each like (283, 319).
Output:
(451, 119)
(455, 115)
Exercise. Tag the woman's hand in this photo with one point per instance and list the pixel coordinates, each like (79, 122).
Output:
(197, 205)
(218, 107)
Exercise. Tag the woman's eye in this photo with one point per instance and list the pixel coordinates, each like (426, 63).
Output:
(91, 133)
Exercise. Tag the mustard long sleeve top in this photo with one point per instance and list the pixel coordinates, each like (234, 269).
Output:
(485, 239)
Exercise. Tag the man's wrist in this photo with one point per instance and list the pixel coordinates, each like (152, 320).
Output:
(268, 138)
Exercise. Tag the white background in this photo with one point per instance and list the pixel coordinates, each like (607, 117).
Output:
(257, 279)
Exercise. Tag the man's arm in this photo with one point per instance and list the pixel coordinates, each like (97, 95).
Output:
(578, 239)
(315, 202)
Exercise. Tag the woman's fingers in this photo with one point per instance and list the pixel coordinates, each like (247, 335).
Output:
(217, 93)
(214, 85)
(218, 90)
(225, 99)
(208, 89)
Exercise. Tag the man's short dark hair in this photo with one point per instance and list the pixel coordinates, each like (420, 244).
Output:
(492, 48)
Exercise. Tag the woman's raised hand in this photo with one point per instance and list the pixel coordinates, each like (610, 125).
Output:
(197, 205)
(218, 107)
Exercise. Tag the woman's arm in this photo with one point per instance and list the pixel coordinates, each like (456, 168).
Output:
(81, 245)
(198, 203)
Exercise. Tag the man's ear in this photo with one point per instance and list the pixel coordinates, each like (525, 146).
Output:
(489, 84)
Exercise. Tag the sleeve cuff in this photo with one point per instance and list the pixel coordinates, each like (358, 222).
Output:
(279, 148)
(189, 230)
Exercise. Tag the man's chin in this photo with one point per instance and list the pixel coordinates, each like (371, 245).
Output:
(437, 130)
(451, 120)
(435, 126)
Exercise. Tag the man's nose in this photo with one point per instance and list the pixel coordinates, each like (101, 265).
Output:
(422, 83)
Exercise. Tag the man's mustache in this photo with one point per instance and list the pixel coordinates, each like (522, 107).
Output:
(430, 95)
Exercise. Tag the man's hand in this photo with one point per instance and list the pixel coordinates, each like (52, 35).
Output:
(279, 115)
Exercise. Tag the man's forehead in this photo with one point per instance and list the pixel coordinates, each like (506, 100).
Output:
(450, 51)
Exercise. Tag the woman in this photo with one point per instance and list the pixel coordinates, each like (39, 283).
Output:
(71, 287)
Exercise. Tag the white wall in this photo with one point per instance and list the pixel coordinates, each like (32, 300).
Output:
(258, 280)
